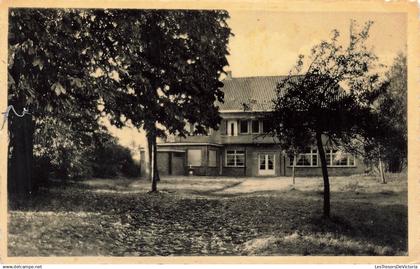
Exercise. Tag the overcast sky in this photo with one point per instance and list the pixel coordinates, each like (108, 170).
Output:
(268, 43)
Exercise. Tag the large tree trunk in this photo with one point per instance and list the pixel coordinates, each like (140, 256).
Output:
(20, 148)
(153, 170)
(19, 176)
(324, 175)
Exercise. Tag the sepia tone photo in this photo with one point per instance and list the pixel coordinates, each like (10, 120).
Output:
(206, 132)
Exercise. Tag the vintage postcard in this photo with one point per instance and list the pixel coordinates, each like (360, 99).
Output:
(210, 132)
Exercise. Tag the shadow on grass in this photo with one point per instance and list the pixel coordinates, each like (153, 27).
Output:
(239, 218)
(214, 191)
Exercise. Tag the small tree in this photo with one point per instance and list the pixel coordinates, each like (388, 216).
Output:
(328, 100)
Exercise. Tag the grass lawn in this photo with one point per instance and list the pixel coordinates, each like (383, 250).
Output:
(212, 216)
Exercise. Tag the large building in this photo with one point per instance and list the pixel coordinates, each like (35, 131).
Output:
(240, 147)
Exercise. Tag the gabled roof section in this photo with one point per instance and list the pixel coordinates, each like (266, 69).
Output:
(249, 93)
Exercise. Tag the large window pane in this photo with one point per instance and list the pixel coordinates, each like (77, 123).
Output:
(266, 126)
(194, 157)
(240, 160)
(351, 160)
(212, 158)
(244, 126)
(328, 157)
(315, 159)
(270, 161)
(235, 158)
(230, 160)
(339, 158)
(255, 126)
(304, 160)
(308, 158)
(262, 162)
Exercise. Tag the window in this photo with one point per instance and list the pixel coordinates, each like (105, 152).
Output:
(266, 161)
(212, 158)
(266, 125)
(194, 157)
(235, 158)
(232, 127)
(338, 158)
(308, 158)
(243, 126)
(255, 126)
(178, 154)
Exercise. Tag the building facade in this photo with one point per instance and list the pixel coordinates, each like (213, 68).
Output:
(241, 146)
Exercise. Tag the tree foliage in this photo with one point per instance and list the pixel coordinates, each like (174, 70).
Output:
(327, 99)
(47, 73)
(390, 141)
(166, 69)
(153, 69)
(52, 56)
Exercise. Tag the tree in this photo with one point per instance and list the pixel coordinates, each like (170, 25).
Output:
(52, 54)
(390, 146)
(328, 101)
(166, 72)
(153, 69)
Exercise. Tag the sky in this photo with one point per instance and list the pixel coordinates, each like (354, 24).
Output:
(268, 43)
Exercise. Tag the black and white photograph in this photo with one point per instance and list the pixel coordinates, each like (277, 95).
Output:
(149, 132)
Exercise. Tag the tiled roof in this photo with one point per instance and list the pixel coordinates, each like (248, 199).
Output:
(256, 93)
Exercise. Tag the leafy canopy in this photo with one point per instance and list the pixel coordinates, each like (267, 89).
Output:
(329, 94)
(166, 68)
(389, 141)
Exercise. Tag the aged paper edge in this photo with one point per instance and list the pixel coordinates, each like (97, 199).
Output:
(413, 33)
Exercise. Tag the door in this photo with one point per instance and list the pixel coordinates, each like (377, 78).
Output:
(266, 164)
(163, 163)
(178, 163)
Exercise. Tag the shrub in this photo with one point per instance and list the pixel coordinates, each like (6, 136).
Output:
(112, 160)
(63, 153)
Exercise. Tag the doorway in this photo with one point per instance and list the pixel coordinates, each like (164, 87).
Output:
(266, 164)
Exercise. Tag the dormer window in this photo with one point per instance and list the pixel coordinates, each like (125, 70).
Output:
(255, 126)
(232, 127)
(244, 126)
